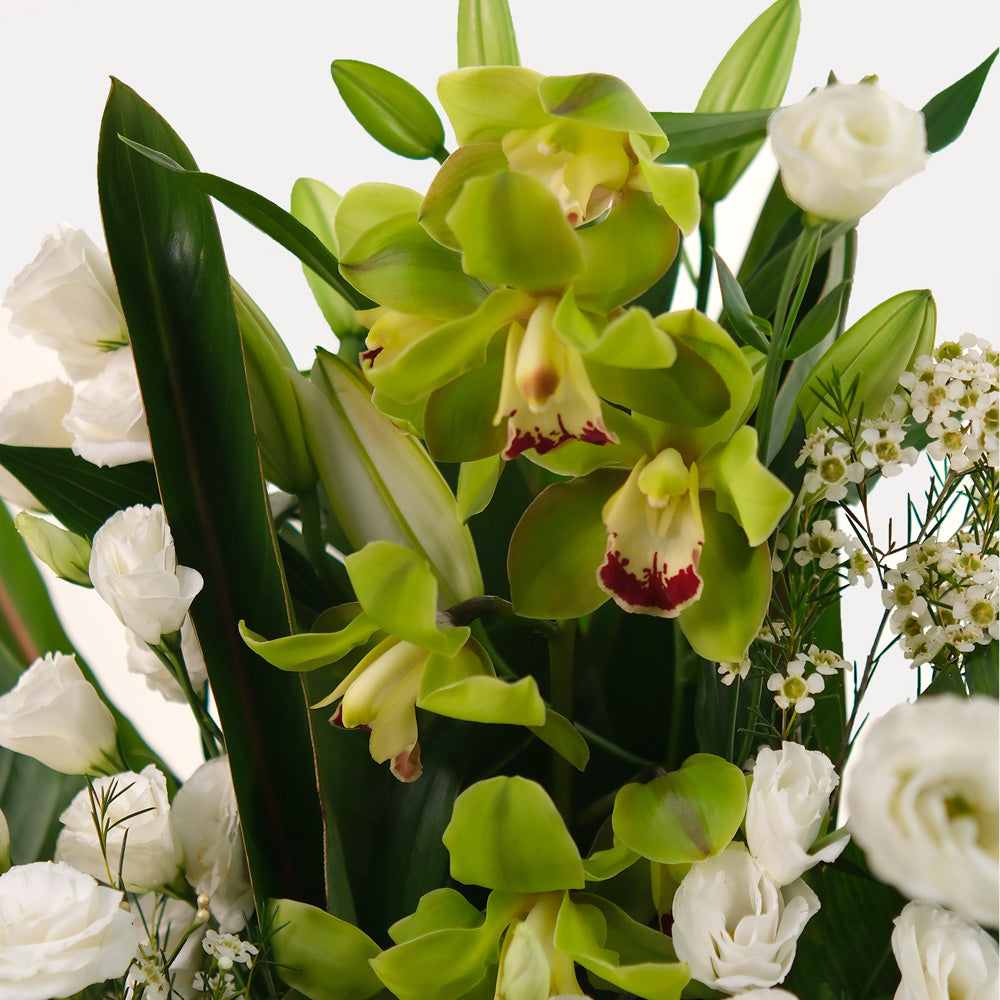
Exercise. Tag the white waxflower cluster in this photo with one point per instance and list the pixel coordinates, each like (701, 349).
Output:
(943, 595)
(832, 465)
(955, 393)
(820, 544)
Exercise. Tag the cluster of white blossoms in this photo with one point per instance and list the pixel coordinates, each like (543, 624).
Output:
(66, 300)
(804, 677)
(955, 393)
(737, 916)
(943, 598)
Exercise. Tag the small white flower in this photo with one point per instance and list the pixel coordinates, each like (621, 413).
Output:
(730, 671)
(826, 661)
(228, 949)
(821, 543)
(794, 690)
(859, 564)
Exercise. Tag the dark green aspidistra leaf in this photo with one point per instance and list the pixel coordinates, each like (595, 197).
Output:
(175, 291)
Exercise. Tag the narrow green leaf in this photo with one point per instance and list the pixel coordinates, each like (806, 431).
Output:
(78, 493)
(175, 290)
(393, 112)
(946, 113)
(817, 323)
(486, 34)
(738, 309)
(697, 137)
(753, 74)
(270, 219)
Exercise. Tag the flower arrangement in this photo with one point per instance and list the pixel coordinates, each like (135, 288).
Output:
(512, 629)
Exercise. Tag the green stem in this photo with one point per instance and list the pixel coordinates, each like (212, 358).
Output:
(752, 715)
(168, 652)
(676, 703)
(595, 739)
(562, 647)
(706, 233)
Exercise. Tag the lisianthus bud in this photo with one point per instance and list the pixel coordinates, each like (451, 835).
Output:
(66, 554)
(842, 148)
(134, 568)
(56, 716)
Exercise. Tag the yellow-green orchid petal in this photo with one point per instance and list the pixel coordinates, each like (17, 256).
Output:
(675, 189)
(483, 103)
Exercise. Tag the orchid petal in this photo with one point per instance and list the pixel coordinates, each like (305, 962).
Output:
(675, 189)
(483, 103)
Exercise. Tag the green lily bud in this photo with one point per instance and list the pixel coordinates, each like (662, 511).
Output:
(392, 111)
(752, 74)
(486, 34)
(66, 554)
(270, 374)
(321, 956)
(874, 352)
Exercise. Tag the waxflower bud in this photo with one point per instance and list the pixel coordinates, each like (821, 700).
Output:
(66, 554)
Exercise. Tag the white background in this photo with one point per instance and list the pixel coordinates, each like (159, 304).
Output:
(247, 86)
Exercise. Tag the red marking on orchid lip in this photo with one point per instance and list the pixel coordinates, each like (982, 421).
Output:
(337, 719)
(368, 357)
(592, 434)
(522, 438)
(667, 923)
(656, 590)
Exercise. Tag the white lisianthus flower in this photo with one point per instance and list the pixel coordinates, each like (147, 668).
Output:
(33, 417)
(734, 925)
(134, 568)
(841, 149)
(141, 660)
(785, 809)
(138, 804)
(66, 299)
(940, 956)
(55, 715)
(208, 828)
(921, 792)
(764, 995)
(60, 932)
(107, 420)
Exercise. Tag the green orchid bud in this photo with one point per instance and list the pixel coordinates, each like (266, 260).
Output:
(872, 354)
(270, 375)
(392, 111)
(753, 74)
(66, 554)
(320, 955)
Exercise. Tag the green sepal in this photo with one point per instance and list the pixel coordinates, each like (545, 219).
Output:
(875, 351)
(441, 954)
(513, 232)
(320, 955)
(465, 686)
(684, 816)
(946, 113)
(575, 326)
(477, 481)
(562, 736)
(380, 482)
(310, 650)
(368, 205)
(625, 253)
(753, 74)
(486, 34)
(557, 547)
(609, 944)
(633, 340)
(744, 488)
(612, 861)
(458, 421)
(723, 622)
(601, 101)
(397, 589)
(442, 354)
(484, 103)
(315, 204)
(399, 265)
(393, 112)
(505, 833)
(465, 163)
(675, 189)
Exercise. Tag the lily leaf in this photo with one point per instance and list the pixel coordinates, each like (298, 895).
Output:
(486, 34)
(269, 218)
(738, 309)
(699, 136)
(175, 291)
(946, 113)
(393, 112)
(817, 323)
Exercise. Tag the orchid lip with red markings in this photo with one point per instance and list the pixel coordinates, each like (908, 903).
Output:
(655, 590)
(521, 439)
